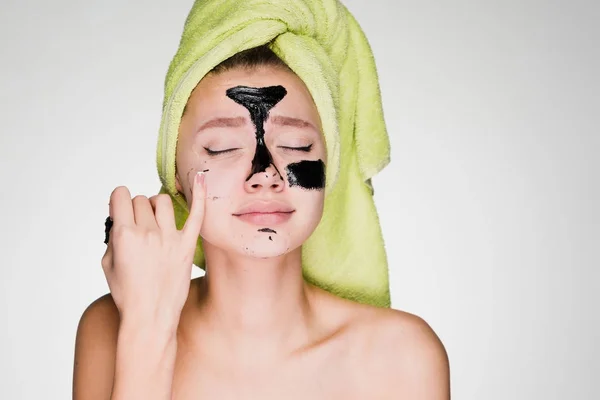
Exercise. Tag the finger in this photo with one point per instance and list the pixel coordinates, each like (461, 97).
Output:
(120, 207)
(143, 213)
(163, 211)
(107, 258)
(152, 201)
(192, 226)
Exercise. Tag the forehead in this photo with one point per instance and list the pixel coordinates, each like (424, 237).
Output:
(209, 97)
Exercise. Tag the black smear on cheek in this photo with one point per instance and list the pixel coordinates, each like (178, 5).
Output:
(267, 230)
(307, 174)
(258, 101)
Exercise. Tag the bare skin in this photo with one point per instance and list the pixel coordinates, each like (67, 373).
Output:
(357, 352)
(251, 328)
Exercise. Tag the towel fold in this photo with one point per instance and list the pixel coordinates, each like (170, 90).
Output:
(324, 45)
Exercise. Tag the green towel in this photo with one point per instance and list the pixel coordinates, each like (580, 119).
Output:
(324, 45)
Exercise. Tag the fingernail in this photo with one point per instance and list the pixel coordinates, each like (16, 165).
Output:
(200, 177)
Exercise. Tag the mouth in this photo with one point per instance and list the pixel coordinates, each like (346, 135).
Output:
(265, 212)
(265, 218)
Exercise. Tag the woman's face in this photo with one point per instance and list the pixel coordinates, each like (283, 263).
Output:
(257, 134)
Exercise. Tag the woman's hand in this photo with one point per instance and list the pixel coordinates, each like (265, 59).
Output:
(148, 261)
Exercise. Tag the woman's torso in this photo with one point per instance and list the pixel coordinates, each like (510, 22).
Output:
(339, 365)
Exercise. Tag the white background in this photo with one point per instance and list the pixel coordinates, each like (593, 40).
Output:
(489, 207)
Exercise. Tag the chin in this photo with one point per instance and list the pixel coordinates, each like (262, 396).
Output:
(256, 242)
(267, 246)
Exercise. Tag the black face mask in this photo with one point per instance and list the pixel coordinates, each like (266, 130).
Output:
(259, 101)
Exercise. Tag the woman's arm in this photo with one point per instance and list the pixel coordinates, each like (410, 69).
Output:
(121, 361)
(145, 361)
(95, 351)
(127, 342)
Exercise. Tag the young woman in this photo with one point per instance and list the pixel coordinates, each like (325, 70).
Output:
(251, 163)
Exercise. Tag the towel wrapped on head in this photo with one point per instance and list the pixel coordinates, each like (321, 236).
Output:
(322, 43)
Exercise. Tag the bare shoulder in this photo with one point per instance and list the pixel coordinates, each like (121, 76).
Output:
(398, 353)
(405, 355)
(404, 331)
(100, 320)
(102, 308)
(95, 350)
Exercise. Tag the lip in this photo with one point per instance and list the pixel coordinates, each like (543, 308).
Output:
(265, 219)
(264, 207)
(265, 212)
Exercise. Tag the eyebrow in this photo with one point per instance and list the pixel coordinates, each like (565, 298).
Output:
(291, 121)
(237, 122)
(224, 122)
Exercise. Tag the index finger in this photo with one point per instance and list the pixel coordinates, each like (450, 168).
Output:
(120, 207)
(192, 226)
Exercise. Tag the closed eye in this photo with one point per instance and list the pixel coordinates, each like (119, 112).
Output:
(215, 152)
(305, 149)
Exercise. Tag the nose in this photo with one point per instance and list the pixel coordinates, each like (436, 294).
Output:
(269, 179)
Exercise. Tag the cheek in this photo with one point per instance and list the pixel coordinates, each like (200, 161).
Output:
(224, 181)
(309, 203)
(307, 175)
(220, 182)
(222, 188)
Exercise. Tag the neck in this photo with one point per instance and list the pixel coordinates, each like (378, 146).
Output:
(250, 306)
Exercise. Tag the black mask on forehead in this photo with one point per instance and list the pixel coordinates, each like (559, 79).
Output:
(258, 101)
